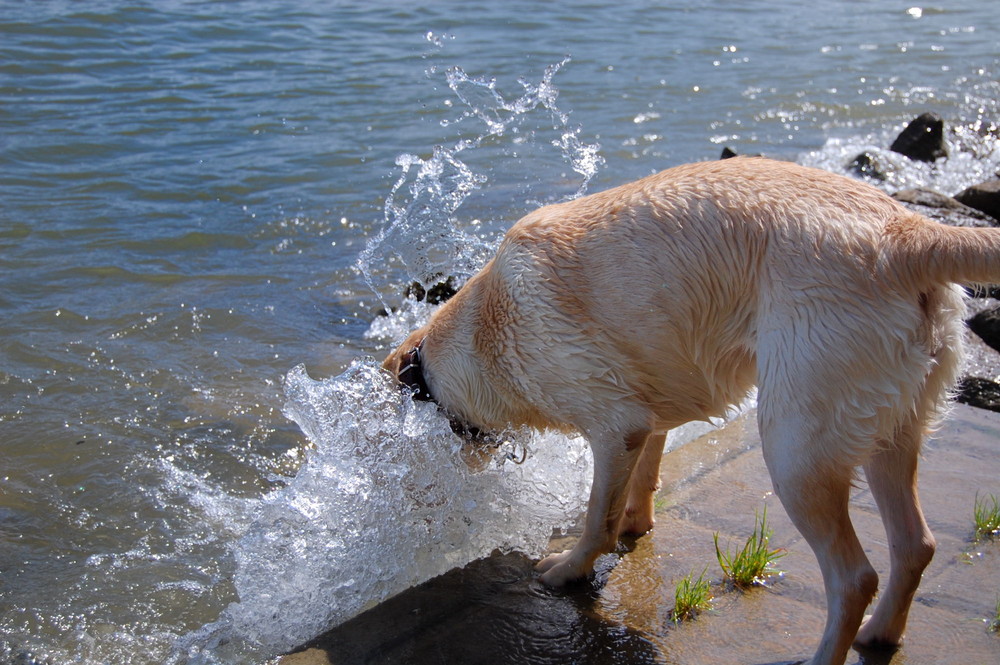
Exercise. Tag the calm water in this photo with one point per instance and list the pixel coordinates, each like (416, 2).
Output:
(186, 188)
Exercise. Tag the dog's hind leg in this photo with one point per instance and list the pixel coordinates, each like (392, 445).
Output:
(614, 459)
(642, 487)
(814, 492)
(892, 471)
(892, 478)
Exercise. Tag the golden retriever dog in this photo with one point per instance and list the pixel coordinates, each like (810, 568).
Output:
(626, 313)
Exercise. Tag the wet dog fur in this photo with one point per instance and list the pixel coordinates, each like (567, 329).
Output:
(629, 312)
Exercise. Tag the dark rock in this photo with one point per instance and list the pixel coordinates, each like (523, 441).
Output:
(443, 619)
(729, 153)
(922, 139)
(436, 294)
(982, 291)
(869, 165)
(943, 208)
(979, 392)
(986, 324)
(984, 197)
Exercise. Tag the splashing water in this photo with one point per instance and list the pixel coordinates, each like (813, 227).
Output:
(971, 134)
(384, 502)
(422, 236)
(499, 115)
(385, 498)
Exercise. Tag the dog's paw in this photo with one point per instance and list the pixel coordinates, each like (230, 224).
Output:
(559, 569)
(552, 560)
(639, 515)
(636, 524)
(873, 635)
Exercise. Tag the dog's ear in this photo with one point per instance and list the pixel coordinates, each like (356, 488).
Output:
(391, 363)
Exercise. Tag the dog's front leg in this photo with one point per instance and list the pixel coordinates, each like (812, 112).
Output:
(642, 488)
(614, 458)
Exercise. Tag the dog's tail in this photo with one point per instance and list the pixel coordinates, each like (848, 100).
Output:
(923, 252)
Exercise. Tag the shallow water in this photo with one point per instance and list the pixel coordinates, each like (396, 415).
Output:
(187, 190)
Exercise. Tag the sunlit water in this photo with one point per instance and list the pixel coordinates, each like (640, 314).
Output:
(203, 208)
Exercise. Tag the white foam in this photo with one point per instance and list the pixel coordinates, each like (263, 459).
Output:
(974, 156)
(383, 502)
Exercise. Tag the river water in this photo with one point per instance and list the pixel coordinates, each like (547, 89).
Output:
(205, 206)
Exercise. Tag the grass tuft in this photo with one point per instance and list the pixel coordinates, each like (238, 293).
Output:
(986, 514)
(754, 563)
(691, 597)
(993, 625)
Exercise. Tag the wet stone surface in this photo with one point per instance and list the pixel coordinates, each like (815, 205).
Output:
(494, 610)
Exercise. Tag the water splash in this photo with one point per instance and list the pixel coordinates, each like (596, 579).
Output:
(500, 116)
(385, 498)
(973, 158)
(422, 237)
(384, 501)
(969, 110)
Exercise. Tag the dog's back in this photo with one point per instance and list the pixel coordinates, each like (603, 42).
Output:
(668, 291)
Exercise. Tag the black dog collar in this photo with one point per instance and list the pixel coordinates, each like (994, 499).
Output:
(411, 374)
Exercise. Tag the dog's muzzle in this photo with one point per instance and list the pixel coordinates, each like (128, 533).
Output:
(411, 374)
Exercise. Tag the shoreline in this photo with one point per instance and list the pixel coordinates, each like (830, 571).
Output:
(495, 611)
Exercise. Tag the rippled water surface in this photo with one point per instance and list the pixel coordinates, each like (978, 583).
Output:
(196, 199)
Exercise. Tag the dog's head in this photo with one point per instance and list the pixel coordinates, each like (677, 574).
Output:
(458, 360)
(423, 368)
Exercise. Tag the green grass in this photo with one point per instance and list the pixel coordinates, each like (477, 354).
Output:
(691, 597)
(986, 514)
(754, 563)
(994, 623)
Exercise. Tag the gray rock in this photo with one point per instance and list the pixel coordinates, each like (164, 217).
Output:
(986, 324)
(984, 197)
(943, 208)
(979, 392)
(870, 165)
(729, 153)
